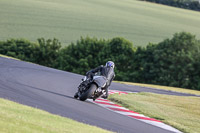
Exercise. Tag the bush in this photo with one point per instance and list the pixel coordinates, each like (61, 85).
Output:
(89, 53)
(43, 52)
(173, 62)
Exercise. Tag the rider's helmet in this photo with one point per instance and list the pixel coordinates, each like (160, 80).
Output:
(110, 64)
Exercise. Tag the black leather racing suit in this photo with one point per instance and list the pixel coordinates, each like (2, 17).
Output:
(105, 71)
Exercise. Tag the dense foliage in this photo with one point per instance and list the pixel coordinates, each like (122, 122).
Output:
(173, 62)
(186, 4)
(43, 53)
(89, 53)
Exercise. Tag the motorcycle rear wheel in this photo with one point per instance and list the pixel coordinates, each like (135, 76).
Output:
(88, 93)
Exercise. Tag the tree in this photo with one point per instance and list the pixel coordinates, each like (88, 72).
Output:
(173, 61)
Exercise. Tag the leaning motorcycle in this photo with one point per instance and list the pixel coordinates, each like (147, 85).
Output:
(91, 88)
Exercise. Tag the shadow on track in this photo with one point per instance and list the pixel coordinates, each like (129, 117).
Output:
(42, 90)
(55, 93)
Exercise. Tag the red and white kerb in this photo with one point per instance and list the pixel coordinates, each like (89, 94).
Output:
(124, 111)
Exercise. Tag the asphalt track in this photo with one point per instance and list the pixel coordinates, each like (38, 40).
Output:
(52, 90)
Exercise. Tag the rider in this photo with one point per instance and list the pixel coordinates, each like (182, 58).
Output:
(106, 71)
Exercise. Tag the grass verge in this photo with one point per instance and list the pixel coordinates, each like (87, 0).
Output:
(182, 113)
(8, 57)
(182, 90)
(19, 118)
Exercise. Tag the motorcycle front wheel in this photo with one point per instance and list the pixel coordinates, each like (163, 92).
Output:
(76, 95)
(88, 93)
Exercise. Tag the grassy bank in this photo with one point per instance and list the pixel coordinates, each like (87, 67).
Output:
(182, 113)
(19, 118)
(8, 57)
(138, 21)
(182, 90)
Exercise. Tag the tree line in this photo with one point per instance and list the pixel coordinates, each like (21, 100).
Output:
(172, 62)
(186, 4)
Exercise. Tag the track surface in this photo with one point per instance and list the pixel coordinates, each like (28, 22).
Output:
(52, 90)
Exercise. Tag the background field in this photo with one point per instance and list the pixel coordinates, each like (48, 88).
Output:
(67, 20)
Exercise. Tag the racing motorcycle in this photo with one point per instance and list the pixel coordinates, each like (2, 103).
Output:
(91, 88)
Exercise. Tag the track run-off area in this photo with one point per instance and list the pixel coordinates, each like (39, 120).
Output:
(52, 90)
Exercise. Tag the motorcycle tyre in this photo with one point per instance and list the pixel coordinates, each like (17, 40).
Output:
(88, 93)
(76, 95)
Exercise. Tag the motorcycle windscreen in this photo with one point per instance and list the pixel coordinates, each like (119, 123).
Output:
(100, 80)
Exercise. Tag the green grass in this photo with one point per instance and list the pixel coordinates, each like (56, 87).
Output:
(182, 113)
(8, 57)
(138, 21)
(182, 90)
(19, 118)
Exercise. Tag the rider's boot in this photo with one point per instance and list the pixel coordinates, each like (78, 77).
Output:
(105, 94)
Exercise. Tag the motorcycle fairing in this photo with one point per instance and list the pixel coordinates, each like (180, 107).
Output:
(100, 81)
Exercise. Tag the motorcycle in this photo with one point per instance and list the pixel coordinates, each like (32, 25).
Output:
(91, 88)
